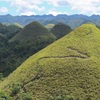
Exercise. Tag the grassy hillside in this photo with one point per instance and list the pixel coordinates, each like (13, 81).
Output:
(17, 24)
(68, 69)
(60, 30)
(49, 26)
(32, 31)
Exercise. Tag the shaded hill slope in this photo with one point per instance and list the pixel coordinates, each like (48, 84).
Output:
(12, 30)
(9, 30)
(60, 30)
(28, 41)
(31, 31)
(98, 27)
(68, 69)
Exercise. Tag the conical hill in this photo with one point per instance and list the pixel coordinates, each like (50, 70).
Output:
(68, 69)
(32, 31)
(60, 30)
(49, 26)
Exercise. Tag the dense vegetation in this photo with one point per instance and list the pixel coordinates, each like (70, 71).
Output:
(68, 69)
(98, 27)
(60, 30)
(28, 41)
(9, 30)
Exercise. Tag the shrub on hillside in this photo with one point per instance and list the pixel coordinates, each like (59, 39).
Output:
(25, 96)
(4, 96)
(15, 89)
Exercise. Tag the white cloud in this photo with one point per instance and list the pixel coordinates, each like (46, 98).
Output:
(78, 6)
(85, 6)
(28, 6)
(3, 10)
(81, 6)
(57, 2)
(28, 13)
(53, 12)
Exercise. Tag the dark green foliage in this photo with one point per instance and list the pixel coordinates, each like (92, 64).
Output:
(15, 89)
(4, 96)
(30, 40)
(3, 29)
(25, 96)
(10, 30)
(68, 97)
(98, 27)
(60, 30)
(1, 76)
(59, 98)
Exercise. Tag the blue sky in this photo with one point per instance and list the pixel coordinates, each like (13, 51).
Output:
(40, 7)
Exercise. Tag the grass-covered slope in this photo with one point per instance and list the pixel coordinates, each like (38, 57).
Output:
(60, 30)
(68, 69)
(32, 31)
(49, 26)
(17, 24)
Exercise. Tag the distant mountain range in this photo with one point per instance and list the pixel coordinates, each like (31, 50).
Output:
(71, 20)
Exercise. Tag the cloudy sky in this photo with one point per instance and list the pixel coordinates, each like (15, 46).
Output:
(40, 7)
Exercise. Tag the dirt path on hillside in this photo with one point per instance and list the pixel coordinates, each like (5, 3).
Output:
(39, 72)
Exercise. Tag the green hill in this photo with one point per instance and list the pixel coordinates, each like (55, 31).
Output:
(25, 43)
(17, 24)
(9, 30)
(32, 31)
(12, 30)
(60, 30)
(2, 28)
(6, 23)
(68, 69)
(49, 26)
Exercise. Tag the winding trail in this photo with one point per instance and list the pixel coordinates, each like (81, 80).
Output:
(39, 72)
(78, 51)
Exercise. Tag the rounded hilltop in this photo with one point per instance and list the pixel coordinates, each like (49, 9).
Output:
(60, 30)
(32, 31)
